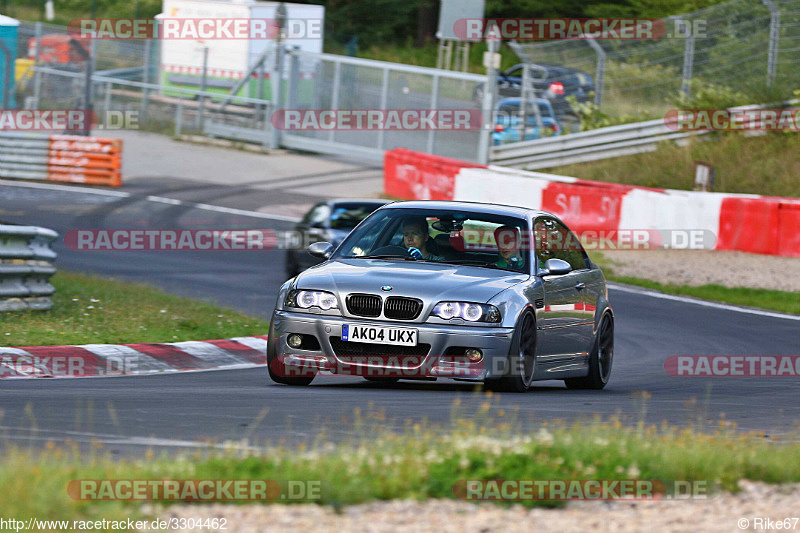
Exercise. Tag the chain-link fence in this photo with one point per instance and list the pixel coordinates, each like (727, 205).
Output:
(743, 45)
(130, 87)
(345, 83)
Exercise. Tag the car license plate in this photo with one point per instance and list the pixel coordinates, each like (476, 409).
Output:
(379, 335)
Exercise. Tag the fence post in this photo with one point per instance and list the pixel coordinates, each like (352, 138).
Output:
(688, 63)
(203, 81)
(774, 35)
(107, 102)
(87, 84)
(9, 65)
(293, 84)
(384, 103)
(337, 80)
(529, 98)
(179, 117)
(146, 91)
(600, 75)
(262, 74)
(37, 76)
(276, 82)
(434, 103)
(487, 109)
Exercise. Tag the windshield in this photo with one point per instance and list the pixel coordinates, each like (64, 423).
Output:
(348, 216)
(444, 236)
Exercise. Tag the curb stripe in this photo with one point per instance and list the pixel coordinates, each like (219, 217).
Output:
(208, 352)
(118, 357)
(241, 350)
(172, 356)
(112, 360)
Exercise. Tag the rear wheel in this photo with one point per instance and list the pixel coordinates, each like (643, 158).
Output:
(522, 358)
(600, 360)
(276, 368)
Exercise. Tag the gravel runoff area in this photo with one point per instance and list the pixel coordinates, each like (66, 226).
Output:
(703, 267)
(721, 513)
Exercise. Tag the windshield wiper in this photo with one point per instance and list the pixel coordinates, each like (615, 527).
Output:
(471, 262)
(383, 256)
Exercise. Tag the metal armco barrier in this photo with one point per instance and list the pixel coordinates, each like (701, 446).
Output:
(26, 265)
(66, 158)
(592, 145)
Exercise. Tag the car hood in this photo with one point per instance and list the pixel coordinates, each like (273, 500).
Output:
(430, 282)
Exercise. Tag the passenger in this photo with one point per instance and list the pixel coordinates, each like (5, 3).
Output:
(416, 238)
(508, 242)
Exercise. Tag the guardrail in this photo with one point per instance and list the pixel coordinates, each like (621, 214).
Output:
(66, 158)
(585, 146)
(602, 143)
(26, 265)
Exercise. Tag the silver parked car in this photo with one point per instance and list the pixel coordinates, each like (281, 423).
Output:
(427, 289)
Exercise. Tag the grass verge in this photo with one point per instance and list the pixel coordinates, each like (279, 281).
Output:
(767, 165)
(781, 301)
(416, 462)
(89, 309)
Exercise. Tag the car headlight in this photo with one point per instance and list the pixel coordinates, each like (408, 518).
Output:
(470, 312)
(305, 299)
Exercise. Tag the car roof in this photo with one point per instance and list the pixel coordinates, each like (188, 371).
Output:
(475, 207)
(517, 100)
(368, 201)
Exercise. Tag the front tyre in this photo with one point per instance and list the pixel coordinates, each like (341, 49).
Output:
(522, 357)
(600, 360)
(276, 368)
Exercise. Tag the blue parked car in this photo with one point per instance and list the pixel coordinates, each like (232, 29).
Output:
(507, 121)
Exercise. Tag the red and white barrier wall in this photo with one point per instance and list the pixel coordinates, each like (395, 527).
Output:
(748, 223)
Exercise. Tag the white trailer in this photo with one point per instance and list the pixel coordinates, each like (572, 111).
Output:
(230, 58)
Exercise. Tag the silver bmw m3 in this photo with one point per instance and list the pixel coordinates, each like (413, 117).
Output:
(468, 291)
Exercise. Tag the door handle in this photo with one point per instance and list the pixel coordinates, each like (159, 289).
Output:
(580, 286)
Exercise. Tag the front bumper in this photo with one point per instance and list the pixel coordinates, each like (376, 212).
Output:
(494, 343)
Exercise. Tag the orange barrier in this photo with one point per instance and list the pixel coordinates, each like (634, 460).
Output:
(91, 160)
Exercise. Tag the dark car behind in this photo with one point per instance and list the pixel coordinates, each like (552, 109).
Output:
(328, 221)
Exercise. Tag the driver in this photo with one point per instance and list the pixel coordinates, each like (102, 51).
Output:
(415, 238)
(508, 241)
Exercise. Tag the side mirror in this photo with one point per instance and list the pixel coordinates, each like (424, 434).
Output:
(323, 250)
(556, 267)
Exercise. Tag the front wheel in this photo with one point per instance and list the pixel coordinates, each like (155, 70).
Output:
(522, 357)
(600, 360)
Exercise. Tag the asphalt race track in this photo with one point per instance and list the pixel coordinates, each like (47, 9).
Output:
(185, 410)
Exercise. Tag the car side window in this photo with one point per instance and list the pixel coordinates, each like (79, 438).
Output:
(555, 241)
